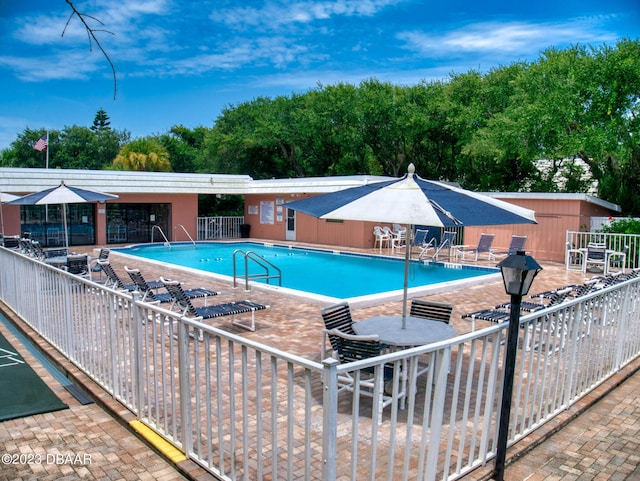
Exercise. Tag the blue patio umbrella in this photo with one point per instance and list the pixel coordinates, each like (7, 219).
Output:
(63, 194)
(411, 200)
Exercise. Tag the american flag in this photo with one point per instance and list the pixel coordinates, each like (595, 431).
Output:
(42, 143)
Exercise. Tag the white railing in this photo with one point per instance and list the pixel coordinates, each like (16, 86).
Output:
(597, 223)
(243, 410)
(219, 227)
(626, 243)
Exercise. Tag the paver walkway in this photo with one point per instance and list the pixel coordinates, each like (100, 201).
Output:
(596, 440)
(602, 443)
(82, 442)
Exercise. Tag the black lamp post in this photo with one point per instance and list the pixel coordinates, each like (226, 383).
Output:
(518, 272)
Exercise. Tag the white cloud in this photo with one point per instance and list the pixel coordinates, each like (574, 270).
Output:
(493, 37)
(68, 66)
(47, 30)
(272, 51)
(131, 10)
(275, 14)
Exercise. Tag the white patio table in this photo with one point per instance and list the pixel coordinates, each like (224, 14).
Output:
(418, 332)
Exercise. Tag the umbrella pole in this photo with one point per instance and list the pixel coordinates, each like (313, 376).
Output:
(407, 259)
(64, 225)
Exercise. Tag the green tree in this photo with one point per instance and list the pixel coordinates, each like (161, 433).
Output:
(611, 136)
(494, 154)
(107, 144)
(242, 142)
(76, 149)
(186, 147)
(22, 154)
(383, 123)
(101, 121)
(145, 154)
(432, 146)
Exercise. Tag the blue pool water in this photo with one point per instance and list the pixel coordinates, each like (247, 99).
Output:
(327, 273)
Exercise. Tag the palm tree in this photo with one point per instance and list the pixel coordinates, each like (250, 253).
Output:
(144, 155)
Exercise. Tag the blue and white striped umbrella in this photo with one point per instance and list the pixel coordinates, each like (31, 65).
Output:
(411, 200)
(63, 194)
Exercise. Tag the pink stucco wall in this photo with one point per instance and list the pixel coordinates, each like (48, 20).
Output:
(546, 240)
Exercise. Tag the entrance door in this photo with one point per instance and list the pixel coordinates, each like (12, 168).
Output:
(135, 222)
(291, 225)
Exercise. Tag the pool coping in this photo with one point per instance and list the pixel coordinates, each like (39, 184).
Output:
(368, 300)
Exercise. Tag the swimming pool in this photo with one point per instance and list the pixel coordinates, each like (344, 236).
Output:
(325, 274)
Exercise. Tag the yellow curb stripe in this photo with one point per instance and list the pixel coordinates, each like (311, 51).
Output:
(161, 444)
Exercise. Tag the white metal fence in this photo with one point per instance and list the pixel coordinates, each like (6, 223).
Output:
(629, 244)
(219, 227)
(597, 223)
(247, 411)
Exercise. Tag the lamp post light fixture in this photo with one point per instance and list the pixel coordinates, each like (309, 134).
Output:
(518, 271)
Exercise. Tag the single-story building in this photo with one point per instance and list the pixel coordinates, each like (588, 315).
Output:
(145, 200)
(167, 200)
(266, 212)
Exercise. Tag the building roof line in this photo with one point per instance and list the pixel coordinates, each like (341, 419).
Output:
(22, 181)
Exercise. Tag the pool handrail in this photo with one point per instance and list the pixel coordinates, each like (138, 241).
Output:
(262, 262)
(166, 241)
(185, 231)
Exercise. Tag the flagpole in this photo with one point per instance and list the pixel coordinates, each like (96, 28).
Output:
(46, 207)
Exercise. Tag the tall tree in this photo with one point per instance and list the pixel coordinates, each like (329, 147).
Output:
(612, 134)
(101, 121)
(73, 147)
(145, 154)
(186, 147)
(241, 142)
(22, 154)
(330, 133)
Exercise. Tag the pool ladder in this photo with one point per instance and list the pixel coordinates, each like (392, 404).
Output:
(255, 258)
(166, 241)
(175, 227)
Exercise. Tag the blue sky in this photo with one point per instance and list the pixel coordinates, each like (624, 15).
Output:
(181, 62)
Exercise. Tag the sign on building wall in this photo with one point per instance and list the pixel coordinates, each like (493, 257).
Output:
(266, 212)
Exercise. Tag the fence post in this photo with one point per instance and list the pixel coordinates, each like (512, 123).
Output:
(137, 348)
(184, 373)
(330, 418)
(442, 368)
(623, 315)
(68, 316)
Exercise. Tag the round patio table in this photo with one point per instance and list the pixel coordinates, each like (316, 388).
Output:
(57, 261)
(418, 332)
